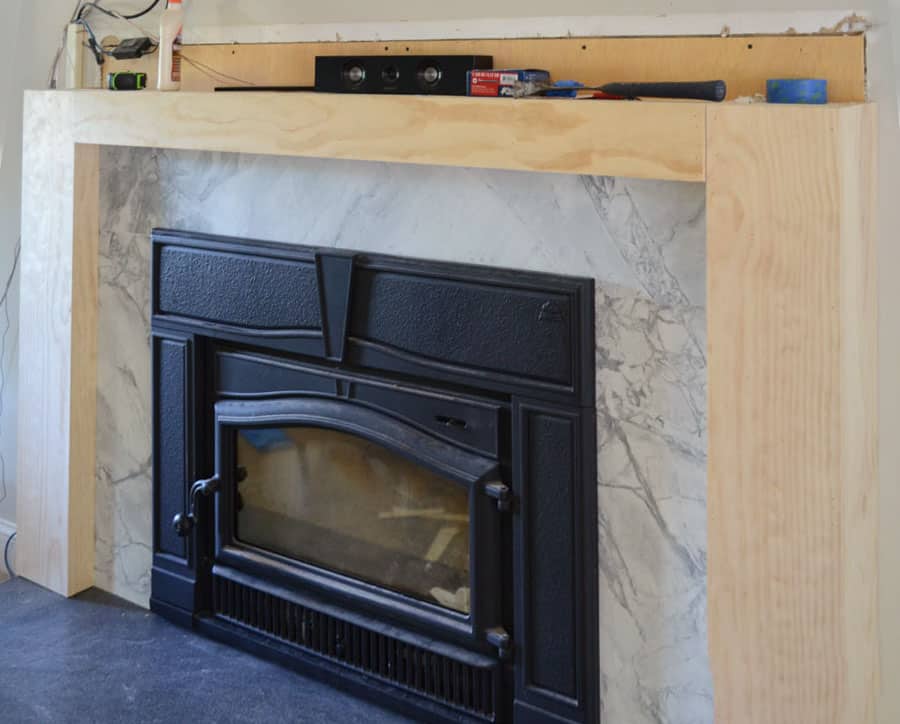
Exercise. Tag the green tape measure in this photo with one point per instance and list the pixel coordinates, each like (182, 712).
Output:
(126, 81)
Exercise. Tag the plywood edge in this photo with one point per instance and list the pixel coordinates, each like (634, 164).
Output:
(83, 385)
(857, 132)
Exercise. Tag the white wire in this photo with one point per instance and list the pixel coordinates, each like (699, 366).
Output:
(212, 73)
(54, 67)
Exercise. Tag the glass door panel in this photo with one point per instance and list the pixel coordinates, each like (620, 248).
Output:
(349, 505)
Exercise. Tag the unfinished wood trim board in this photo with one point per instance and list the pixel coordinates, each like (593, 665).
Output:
(793, 489)
(58, 354)
(744, 62)
(644, 140)
(793, 484)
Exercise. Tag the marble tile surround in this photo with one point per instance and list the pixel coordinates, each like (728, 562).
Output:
(644, 243)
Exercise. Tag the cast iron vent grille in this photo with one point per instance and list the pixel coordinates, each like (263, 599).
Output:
(440, 678)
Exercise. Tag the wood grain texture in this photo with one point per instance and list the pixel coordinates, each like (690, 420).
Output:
(745, 62)
(42, 512)
(83, 380)
(793, 484)
(664, 140)
(57, 350)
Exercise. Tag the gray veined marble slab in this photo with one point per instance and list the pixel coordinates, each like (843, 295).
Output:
(123, 527)
(643, 241)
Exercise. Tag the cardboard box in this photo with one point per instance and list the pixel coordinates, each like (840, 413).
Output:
(509, 82)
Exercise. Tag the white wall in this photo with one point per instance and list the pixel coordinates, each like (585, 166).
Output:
(28, 37)
(884, 87)
(10, 170)
(265, 12)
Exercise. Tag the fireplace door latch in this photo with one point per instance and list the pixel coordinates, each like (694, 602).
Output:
(502, 494)
(183, 523)
(500, 638)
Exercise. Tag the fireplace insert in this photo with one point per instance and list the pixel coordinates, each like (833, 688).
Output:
(380, 471)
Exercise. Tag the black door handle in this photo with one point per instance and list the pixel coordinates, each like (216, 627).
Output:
(184, 523)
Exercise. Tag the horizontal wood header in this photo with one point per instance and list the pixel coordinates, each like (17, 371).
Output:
(662, 140)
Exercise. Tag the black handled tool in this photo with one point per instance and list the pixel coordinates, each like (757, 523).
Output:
(704, 90)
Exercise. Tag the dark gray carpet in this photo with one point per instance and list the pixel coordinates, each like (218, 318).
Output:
(98, 659)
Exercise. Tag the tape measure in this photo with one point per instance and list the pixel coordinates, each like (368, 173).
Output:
(797, 90)
(126, 81)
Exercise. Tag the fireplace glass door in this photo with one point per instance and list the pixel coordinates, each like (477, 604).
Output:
(340, 502)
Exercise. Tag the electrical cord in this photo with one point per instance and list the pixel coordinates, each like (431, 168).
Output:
(210, 72)
(4, 303)
(51, 80)
(9, 568)
(93, 44)
(82, 8)
(143, 12)
(86, 8)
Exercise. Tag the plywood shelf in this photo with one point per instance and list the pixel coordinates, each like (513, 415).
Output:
(664, 140)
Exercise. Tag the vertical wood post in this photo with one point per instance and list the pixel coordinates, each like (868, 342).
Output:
(793, 487)
(57, 350)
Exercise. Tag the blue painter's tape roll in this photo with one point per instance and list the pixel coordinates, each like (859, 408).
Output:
(797, 90)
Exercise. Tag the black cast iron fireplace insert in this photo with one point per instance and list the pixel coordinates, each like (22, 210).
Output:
(380, 471)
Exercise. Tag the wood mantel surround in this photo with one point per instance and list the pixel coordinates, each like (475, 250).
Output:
(793, 480)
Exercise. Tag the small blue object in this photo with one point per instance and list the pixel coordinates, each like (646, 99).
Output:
(797, 90)
(567, 89)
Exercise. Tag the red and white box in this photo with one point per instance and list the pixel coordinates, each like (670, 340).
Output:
(509, 82)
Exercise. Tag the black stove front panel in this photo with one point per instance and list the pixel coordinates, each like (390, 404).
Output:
(381, 471)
